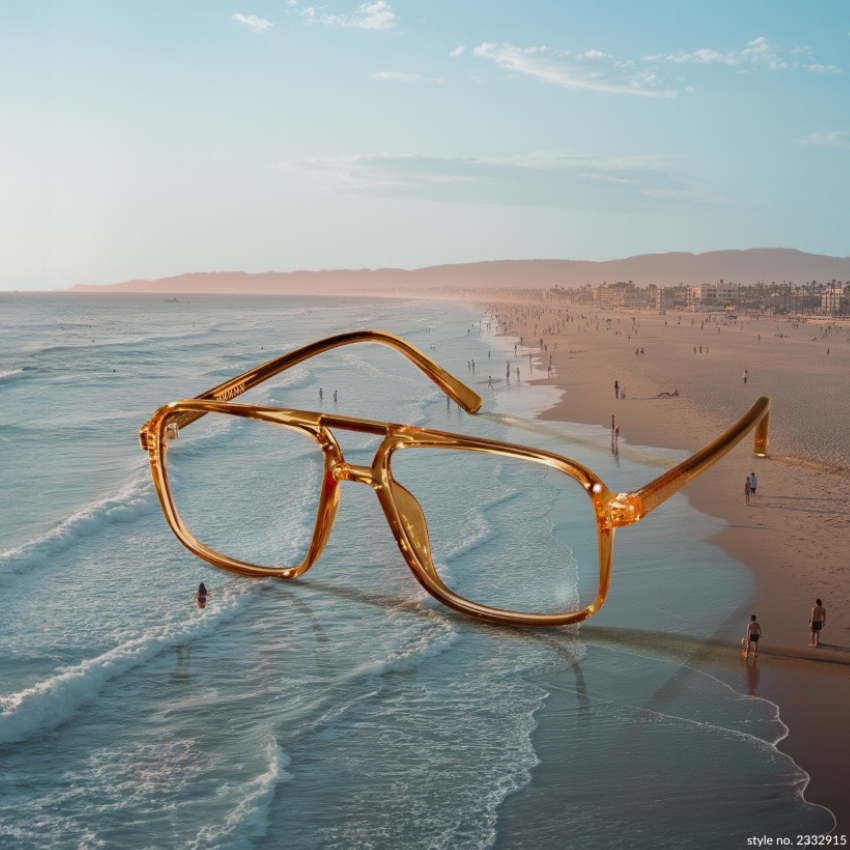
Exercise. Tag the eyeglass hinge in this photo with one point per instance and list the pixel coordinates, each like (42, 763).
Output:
(626, 509)
(171, 433)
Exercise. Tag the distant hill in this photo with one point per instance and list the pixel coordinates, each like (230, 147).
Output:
(746, 267)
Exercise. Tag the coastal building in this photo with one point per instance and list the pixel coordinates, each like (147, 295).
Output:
(833, 300)
(704, 295)
(610, 296)
(670, 298)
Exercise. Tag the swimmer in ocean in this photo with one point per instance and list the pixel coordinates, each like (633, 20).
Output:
(201, 595)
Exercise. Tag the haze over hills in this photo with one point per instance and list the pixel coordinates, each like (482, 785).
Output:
(746, 267)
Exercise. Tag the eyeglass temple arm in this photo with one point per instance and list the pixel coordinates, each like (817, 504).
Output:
(234, 387)
(637, 505)
(450, 385)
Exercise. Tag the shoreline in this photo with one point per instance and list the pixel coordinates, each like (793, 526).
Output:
(792, 536)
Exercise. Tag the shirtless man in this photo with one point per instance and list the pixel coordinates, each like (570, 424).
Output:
(817, 622)
(753, 635)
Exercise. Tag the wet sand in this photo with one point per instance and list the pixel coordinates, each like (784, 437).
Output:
(795, 533)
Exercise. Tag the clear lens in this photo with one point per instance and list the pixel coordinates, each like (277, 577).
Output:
(248, 489)
(505, 532)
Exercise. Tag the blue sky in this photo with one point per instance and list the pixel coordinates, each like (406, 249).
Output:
(145, 139)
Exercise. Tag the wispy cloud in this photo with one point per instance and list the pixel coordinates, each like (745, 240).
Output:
(369, 16)
(834, 139)
(540, 180)
(824, 69)
(457, 51)
(803, 59)
(396, 75)
(589, 70)
(759, 53)
(256, 24)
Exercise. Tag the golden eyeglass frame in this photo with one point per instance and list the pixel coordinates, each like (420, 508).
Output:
(402, 511)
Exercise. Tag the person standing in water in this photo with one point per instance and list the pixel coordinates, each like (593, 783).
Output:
(753, 635)
(201, 595)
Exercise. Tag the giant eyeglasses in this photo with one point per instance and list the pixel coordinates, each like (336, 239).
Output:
(280, 471)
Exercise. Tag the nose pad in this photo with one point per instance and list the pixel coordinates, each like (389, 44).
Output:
(326, 516)
(415, 526)
(328, 506)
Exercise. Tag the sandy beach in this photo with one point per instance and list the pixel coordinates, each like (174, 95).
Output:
(794, 534)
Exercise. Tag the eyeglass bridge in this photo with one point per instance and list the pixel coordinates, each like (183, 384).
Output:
(351, 472)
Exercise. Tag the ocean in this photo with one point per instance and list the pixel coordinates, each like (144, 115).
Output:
(347, 708)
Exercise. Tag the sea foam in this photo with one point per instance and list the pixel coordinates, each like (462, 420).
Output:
(249, 819)
(51, 702)
(137, 498)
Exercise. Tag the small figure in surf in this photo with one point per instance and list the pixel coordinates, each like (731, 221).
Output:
(201, 595)
(752, 638)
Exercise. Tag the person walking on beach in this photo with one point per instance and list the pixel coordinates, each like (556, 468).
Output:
(753, 483)
(752, 638)
(201, 595)
(746, 375)
(747, 490)
(817, 622)
(616, 389)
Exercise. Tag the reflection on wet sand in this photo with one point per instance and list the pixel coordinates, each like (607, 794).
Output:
(690, 651)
